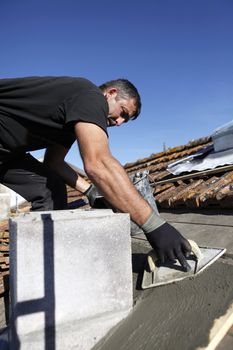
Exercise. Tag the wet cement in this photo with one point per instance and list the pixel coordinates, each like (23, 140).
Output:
(176, 316)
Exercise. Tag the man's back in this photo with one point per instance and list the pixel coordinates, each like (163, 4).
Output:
(37, 111)
(33, 98)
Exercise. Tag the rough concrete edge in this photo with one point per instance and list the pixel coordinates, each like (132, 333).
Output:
(114, 329)
(219, 330)
(109, 321)
(71, 214)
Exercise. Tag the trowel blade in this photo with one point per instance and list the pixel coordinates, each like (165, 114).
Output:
(172, 272)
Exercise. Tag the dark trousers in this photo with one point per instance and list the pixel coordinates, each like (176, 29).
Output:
(35, 182)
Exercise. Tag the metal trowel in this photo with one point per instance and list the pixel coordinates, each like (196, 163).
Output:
(157, 274)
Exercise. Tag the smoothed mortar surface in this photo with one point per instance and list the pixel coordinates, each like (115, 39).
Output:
(176, 316)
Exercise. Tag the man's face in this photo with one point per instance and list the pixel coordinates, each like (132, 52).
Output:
(120, 111)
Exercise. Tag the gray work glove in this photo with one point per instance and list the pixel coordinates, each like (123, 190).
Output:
(95, 199)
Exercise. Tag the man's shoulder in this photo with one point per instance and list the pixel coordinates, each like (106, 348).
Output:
(74, 86)
(49, 80)
(82, 82)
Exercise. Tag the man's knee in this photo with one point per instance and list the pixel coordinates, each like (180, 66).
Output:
(34, 181)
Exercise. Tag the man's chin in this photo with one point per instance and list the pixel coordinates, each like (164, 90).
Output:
(110, 122)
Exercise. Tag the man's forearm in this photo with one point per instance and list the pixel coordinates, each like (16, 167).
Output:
(112, 180)
(70, 177)
(54, 158)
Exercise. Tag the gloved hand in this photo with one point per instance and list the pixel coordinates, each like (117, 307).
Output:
(169, 244)
(96, 200)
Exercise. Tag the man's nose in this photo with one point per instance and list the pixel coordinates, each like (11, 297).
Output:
(119, 121)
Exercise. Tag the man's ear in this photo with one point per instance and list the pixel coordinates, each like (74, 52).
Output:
(111, 92)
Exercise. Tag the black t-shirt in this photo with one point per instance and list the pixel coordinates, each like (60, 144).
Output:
(36, 112)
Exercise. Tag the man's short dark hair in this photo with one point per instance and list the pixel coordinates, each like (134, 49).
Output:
(125, 90)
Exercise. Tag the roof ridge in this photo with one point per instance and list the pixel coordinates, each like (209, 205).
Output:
(192, 143)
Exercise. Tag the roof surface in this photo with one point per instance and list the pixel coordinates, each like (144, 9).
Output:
(199, 189)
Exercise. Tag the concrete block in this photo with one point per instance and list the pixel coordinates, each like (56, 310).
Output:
(15, 198)
(71, 277)
(5, 201)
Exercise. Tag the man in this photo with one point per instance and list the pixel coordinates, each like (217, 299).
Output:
(53, 112)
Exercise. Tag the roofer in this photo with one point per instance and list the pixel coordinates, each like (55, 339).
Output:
(53, 112)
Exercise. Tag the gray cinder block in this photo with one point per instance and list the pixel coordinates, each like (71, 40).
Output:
(5, 200)
(4, 205)
(70, 277)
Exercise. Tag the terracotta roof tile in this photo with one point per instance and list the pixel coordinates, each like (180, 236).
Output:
(202, 190)
(159, 175)
(179, 198)
(191, 199)
(4, 257)
(194, 145)
(160, 188)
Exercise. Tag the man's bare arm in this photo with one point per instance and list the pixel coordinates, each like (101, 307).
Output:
(110, 177)
(54, 158)
(108, 174)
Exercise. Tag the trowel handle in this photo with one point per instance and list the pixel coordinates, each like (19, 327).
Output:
(152, 256)
(195, 249)
(151, 259)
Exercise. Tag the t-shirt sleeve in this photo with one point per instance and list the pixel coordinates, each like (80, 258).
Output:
(89, 107)
(67, 139)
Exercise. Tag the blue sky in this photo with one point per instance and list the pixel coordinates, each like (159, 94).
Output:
(178, 53)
